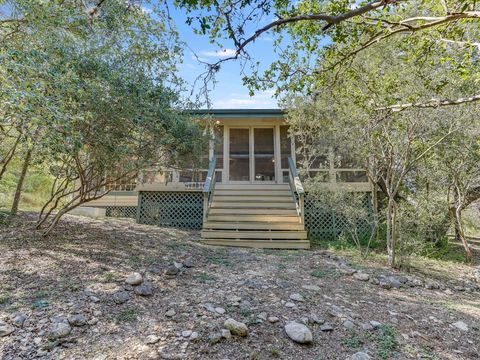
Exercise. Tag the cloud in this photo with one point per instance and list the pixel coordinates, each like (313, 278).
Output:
(262, 100)
(146, 10)
(223, 53)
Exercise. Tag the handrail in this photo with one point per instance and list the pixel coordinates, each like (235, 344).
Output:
(296, 186)
(208, 188)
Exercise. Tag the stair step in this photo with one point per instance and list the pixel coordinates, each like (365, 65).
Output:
(263, 244)
(253, 218)
(253, 198)
(234, 234)
(250, 205)
(264, 192)
(251, 211)
(254, 225)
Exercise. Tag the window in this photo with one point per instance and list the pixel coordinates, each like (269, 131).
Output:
(285, 146)
(218, 147)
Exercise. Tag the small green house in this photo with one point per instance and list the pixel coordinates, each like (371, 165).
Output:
(250, 195)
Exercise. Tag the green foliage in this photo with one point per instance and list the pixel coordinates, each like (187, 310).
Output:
(127, 315)
(386, 342)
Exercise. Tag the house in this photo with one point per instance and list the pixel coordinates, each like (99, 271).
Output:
(251, 195)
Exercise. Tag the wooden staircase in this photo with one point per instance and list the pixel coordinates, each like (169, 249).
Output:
(251, 215)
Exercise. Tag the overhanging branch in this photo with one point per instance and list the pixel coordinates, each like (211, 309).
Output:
(433, 103)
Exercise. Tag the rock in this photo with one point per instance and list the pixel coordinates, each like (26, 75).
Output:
(145, 289)
(172, 270)
(170, 313)
(297, 297)
(461, 325)
(432, 285)
(152, 339)
(326, 327)
(476, 275)
(215, 338)
(374, 281)
(120, 297)
(315, 319)
(273, 319)
(220, 310)
(226, 334)
(194, 335)
(290, 305)
(6, 329)
(134, 279)
(395, 282)
(59, 330)
(367, 327)
(209, 307)
(188, 263)
(361, 276)
(18, 319)
(262, 316)
(186, 333)
(298, 333)
(178, 265)
(77, 320)
(360, 356)
(236, 327)
(347, 271)
(376, 324)
(311, 287)
(416, 282)
(347, 324)
(385, 283)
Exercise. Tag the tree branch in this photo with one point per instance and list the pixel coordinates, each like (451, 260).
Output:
(433, 103)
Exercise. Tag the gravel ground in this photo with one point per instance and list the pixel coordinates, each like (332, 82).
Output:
(66, 297)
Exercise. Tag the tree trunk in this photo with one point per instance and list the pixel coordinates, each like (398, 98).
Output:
(21, 179)
(391, 232)
(460, 234)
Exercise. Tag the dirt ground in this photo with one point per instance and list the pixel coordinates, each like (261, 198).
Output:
(65, 297)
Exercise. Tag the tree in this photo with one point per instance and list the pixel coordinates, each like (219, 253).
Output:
(459, 159)
(93, 86)
(389, 144)
(314, 39)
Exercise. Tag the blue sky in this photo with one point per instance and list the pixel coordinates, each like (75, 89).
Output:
(229, 91)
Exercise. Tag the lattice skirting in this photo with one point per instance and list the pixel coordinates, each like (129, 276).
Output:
(185, 210)
(176, 209)
(324, 225)
(121, 211)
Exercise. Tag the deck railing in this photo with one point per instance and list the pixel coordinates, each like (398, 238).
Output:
(296, 186)
(209, 188)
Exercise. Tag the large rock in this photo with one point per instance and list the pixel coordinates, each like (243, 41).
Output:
(120, 297)
(297, 297)
(134, 279)
(461, 325)
(360, 356)
(6, 329)
(77, 320)
(298, 333)
(361, 276)
(59, 330)
(236, 327)
(18, 319)
(145, 289)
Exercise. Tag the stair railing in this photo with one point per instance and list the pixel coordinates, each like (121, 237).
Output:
(209, 188)
(296, 186)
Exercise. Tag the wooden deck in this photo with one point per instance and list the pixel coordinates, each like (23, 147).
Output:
(260, 216)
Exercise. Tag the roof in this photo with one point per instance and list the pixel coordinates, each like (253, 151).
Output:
(241, 113)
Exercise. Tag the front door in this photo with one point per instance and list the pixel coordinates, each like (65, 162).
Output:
(252, 154)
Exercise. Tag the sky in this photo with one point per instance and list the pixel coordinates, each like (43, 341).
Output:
(229, 91)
